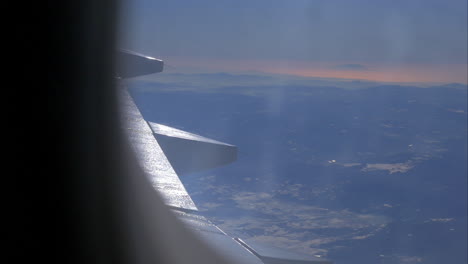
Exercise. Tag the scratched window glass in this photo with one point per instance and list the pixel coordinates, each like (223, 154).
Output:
(332, 129)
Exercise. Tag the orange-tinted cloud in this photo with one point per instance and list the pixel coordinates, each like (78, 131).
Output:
(436, 73)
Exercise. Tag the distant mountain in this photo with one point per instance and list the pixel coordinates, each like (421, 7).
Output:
(452, 85)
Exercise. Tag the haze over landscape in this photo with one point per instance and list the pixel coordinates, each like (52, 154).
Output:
(375, 174)
(350, 118)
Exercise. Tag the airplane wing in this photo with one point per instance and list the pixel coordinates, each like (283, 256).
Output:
(165, 152)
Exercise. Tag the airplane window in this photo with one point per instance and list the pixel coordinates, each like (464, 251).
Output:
(349, 118)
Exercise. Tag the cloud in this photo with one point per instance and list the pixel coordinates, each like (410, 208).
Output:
(460, 111)
(390, 167)
(440, 220)
(351, 164)
(350, 67)
(210, 206)
(410, 259)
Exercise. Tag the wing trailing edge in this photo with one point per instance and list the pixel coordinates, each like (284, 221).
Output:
(189, 152)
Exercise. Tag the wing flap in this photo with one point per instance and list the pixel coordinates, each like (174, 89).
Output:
(189, 152)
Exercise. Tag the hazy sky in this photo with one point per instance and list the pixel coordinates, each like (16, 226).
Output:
(419, 40)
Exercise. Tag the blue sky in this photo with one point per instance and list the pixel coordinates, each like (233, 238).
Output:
(427, 35)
